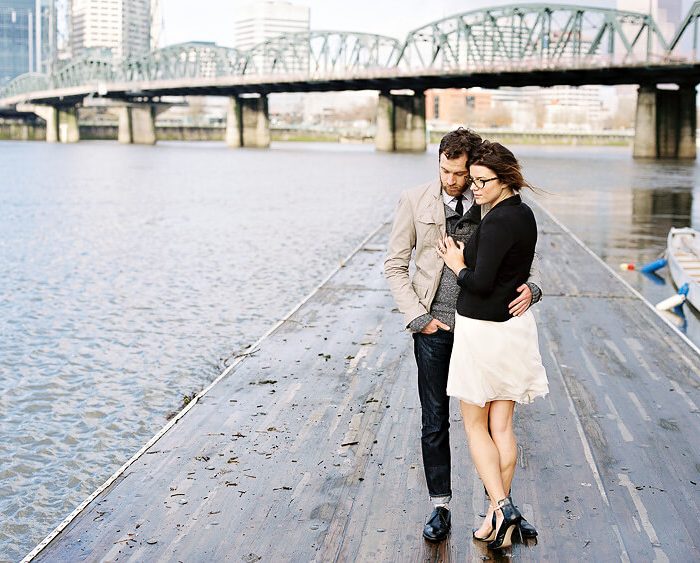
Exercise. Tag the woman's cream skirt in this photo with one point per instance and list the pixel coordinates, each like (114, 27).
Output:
(496, 361)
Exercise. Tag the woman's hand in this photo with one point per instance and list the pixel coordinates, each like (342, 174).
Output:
(452, 253)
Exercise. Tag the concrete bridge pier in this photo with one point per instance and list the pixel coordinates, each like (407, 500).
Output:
(248, 122)
(665, 123)
(137, 124)
(61, 122)
(401, 122)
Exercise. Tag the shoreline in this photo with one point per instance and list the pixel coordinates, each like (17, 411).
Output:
(16, 131)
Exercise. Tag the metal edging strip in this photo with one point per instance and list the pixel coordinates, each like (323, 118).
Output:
(48, 539)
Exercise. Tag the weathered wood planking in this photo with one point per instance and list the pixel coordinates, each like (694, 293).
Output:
(309, 449)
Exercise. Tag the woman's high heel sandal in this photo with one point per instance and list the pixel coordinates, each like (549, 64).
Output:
(509, 524)
(491, 535)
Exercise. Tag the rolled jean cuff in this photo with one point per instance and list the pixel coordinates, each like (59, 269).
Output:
(444, 499)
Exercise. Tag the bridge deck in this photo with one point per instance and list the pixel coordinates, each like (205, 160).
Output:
(309, 449)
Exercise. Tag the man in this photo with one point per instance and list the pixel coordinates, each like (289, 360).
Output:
(428, 301)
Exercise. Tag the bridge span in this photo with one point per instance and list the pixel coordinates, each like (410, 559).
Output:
(516, 45)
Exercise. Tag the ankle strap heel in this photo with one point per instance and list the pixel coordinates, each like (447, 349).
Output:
(511, 520)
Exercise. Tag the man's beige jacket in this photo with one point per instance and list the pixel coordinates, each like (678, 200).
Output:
(418, 225)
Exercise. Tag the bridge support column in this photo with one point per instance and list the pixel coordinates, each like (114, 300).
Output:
(687, 141)
(68, 130)
(61, 123)
(50, 115)
(137, 124)
(248, 122)
(665, 123)
(401, 122)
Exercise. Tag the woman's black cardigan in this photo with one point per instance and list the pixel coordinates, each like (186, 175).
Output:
(498, 257)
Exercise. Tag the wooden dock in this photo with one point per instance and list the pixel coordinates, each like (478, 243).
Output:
(309, 449)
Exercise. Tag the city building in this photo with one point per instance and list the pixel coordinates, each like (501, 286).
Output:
(556, 108)
(582, 108)
(27, 37)
(258, 21)
(157, 24)
(457, 105)
(110, 28)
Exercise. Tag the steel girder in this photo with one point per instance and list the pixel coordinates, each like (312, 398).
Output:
(314, 54)
(684, 44)
(185, 60)
(28, 82)
(534, 36)
(515, 37)
(77, 72)
(323, 54)
(83, 70)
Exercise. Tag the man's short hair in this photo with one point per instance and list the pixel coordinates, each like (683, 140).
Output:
(459, 142)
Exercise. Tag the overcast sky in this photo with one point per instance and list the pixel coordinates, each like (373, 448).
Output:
(213, 20)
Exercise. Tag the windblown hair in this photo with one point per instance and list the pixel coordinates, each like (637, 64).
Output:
(459, 142)
(498, 158)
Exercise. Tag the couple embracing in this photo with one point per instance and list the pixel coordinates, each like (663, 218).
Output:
(472, 240)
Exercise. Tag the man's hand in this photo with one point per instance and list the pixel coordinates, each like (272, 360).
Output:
(521, 303)
(433, 326)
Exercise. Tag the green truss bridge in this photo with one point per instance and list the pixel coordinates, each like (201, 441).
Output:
(516, 45)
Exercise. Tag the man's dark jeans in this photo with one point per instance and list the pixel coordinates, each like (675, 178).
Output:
(433, 358)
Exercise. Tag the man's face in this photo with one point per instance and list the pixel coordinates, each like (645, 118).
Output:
(454, 174)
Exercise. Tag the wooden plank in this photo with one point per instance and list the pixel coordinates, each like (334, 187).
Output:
(309, 450)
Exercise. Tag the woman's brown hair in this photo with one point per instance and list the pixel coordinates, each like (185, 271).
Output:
(498, 158)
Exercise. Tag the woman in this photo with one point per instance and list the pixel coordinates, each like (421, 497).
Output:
(495, 360)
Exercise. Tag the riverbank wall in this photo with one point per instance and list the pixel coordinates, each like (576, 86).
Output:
(18, 131)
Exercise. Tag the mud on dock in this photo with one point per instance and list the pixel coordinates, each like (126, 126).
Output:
(309, 449)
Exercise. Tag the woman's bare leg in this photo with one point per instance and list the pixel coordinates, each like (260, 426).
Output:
(501, 428)
(484, 454)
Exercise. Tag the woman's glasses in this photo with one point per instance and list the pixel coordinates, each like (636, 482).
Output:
(478, 183)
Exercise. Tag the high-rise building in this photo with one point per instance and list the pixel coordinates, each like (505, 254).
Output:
(116, 28)
(27, 37)
(157, 24)
(262, 20)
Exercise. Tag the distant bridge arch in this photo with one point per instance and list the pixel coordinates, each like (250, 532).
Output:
(83, 70)
(185, 60)
(322, 53)
(513, 45)
(28, 82)
(534, 35)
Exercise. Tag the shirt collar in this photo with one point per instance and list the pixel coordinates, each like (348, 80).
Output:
(467, 198)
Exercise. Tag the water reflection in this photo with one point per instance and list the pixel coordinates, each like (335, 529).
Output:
(621, 208)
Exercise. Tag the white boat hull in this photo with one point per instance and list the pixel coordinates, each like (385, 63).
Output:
(683, 254)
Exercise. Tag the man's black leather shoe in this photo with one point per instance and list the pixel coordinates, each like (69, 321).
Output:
(527, 529)
(438, 525)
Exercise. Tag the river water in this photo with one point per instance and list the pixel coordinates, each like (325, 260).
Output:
(131, 275)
